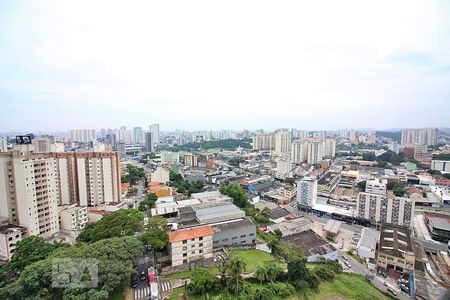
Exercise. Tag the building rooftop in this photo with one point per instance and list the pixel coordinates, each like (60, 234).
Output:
(369, 238)
(440, 223)
(332, 226)
(190, 233)
(395, 241)
(217, 212)
(232, 224)
(290, 225)
(278, 212)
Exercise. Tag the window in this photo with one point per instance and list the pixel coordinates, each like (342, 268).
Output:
(200, 251)
(193, 246)
(225, 240)
(200, 245)
(184, 254)
(192, 240)
(200, 238)
(215, 242)
(234, 237)
(184, 248)
(185, 242)
(243, 236)
(251, 234)
(184, 261)
(192, 252)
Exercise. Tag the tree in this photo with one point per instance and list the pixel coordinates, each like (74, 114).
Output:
(290, 180)
(236, 267)
(297, 271)
(235, 161)
(155, 234)
(261, 274)
(446, 175)
(237, 193)
(274, 270)
(123, 222)
(134, 174)
(148, 202)
(362, 185)
(201, 281)
(369, 156)
(114, 260)
(28, 251)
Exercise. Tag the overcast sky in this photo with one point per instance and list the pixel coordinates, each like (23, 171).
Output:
(228, 64)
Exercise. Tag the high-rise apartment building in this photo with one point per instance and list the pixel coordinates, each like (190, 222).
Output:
(29, 190)
(263, 141)
(319, 149)
(138, 135)
(82, 135)
(88, 178)
(190, 160)
(3, 145)
(382, 209)
(149, 145)
(154, 129)
(299, 151)
(422, 136)
(307, 191)
(283, 141)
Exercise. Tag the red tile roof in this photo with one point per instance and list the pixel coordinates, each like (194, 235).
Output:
(191, 233)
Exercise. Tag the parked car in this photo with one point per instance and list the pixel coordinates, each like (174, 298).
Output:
(348, 264)
(134, 280)
(344, 257)
(392, 291)
(143, 277)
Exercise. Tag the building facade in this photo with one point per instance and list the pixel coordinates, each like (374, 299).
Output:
(307, 191)
(382, 209)
(423, 136)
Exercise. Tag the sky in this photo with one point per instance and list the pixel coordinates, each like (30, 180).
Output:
(224, 64)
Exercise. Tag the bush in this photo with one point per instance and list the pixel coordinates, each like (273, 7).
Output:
(281, 289)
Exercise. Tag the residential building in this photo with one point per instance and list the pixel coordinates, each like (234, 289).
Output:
(376, 186)
(42, 144)
(283, 141)
(82, 135)
(264, 141)
(3, 145)
(382, 209)
(307, 191)
(395, 250)
(154, 130)
(169, 157)
(284, 167)
(423, 136)
(138, 135)
(299, 151)
(190, 245)
(9, 236)
(440, 165)
(88, 178)
(149, 145)
(190, 160)
(29, 190)
(73, 218)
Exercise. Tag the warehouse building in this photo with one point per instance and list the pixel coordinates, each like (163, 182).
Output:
(234, 234)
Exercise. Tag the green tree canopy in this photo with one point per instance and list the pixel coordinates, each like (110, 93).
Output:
(155, 233)
(237, 193)
(117, 224)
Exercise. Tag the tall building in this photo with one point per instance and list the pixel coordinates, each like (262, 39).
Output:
(284, 167)
(319, 149)
(190, 160)
(88, 178)
(170, 157)
(382, 209)
(283, 141)
(307, 191)
(299, 151)
(122, 150)
(138, 135)
(82, 135)
(149, 145)
(154, 129)
(29, 192)
(41, 144)
(423, 136)
(263, 141)
(3, 145)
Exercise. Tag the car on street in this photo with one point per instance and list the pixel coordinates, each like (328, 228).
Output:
(134, 280)
(143, 277)
(348, 264)
(392, 291)
(344, 257)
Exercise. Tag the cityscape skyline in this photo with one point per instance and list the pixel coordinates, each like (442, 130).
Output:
(61, 66)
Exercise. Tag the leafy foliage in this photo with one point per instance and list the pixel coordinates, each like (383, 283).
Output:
(237, 193)
(202, 281)
(148, 202)
(227, 144)
(134, 174)
(155, 234)
(362, 185)
(235, 161)
(117, 224)
(115, 259)
(183, 186)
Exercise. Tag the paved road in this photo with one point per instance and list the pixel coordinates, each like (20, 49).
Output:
(143, 290)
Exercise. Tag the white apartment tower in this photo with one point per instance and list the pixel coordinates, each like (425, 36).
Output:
(299, 151)
(154, 129)
(283, 141)
(423, 136)
(263, 141)
(29, 190)
(382, 209)
(138, 135)
(82, 135)
(307, 191)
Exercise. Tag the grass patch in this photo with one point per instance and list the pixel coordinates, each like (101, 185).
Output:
(187, 274)
(116, 295)
(254, 258)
